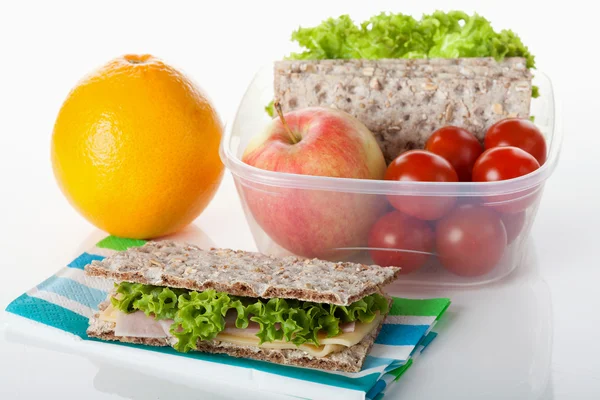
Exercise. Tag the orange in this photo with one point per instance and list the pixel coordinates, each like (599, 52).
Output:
(135, 148)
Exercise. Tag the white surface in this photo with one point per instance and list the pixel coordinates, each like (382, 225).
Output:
(46, 48)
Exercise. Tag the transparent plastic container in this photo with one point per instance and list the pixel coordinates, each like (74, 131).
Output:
(331, 217)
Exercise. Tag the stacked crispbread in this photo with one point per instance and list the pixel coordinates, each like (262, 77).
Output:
(403, 101)
(252, 276)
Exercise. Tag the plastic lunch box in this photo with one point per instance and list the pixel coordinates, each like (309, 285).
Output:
(288, 211)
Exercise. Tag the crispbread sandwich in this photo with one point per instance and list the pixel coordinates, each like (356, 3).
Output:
(292, 311)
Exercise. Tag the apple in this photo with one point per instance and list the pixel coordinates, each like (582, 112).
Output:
(321, 142)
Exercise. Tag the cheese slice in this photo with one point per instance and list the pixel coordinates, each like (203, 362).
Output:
(349, 339)
(241, 338)
(109, 314)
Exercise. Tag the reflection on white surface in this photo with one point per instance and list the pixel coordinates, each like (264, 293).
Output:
(135, 385)
(495, 341)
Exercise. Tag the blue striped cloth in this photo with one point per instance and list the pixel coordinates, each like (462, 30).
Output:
(67, 299)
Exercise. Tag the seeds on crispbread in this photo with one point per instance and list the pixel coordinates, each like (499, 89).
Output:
(403, 101)
(242, 273)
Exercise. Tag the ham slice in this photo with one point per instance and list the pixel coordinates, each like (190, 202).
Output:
(348, 327)
(230, 328)
(137, 324)
(230, 318)
(166, 325)
(252, 328)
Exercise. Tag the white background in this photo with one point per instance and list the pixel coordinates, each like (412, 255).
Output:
(46, 47)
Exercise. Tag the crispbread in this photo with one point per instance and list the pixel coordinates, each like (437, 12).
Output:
(242, 273)
(350, 359)
(403, 101)
(512, 67)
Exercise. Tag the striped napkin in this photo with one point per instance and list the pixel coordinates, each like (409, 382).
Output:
(67, 299)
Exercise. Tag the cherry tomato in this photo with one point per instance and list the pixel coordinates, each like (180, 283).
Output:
(514, 224)
(457, 145)
(502, 163)
(470, 240)
(520, 133)
(409, 240)
(420, 165)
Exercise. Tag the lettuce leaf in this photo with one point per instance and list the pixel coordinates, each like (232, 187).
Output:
(152, 300)
(387, 35)
(270, 108)
(333, 38)
(201, 315)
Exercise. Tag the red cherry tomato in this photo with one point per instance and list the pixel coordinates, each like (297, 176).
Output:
(457, 145)
(520, 133)
(420, 165)
(409, 240)
(514, 224)
(470, 240)
(502, 163)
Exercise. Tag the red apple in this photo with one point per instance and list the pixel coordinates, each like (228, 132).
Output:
(322, 142)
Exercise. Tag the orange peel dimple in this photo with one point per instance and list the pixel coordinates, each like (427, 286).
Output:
(137, 58)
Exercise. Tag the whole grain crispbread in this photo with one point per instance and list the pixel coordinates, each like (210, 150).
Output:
(242, 273)
(403, 101)
(350, 359)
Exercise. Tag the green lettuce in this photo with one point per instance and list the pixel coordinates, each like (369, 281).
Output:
(159, 302)
(201, 315)
(270, 108)
(451, 34)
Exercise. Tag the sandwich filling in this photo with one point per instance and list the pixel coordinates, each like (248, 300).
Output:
(185, 317)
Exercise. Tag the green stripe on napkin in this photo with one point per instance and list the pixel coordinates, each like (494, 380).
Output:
(398, 372)
(426, 307)
(119, 244)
